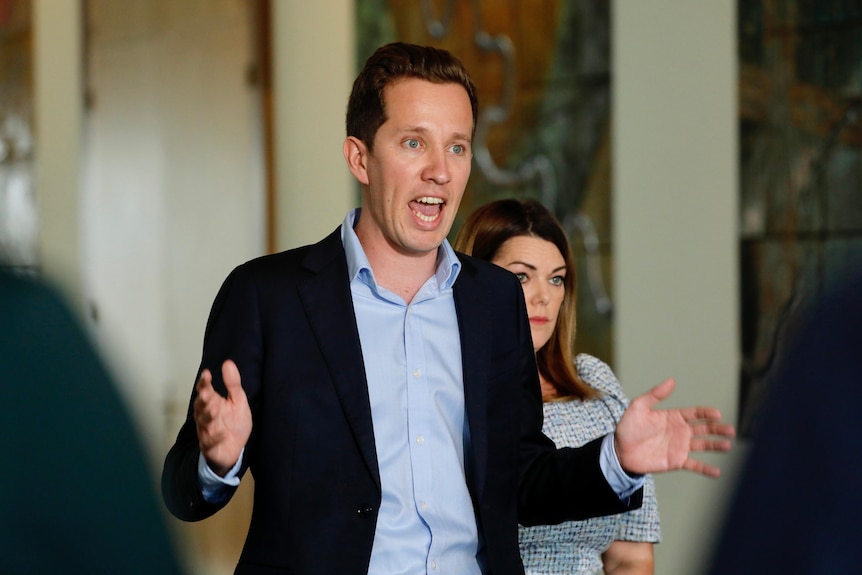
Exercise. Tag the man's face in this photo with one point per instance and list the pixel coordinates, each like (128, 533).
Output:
(414, 179)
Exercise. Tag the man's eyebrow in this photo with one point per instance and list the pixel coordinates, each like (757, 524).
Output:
(423, 130)
(418, 129)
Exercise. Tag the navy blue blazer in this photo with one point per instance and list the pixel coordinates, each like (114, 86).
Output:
(287, 320)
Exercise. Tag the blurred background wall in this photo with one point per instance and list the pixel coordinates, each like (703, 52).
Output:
(174, 139)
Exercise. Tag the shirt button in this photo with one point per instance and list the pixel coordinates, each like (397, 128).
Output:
(416, 373)
(424, 506)
(434, 565)
(420, 440)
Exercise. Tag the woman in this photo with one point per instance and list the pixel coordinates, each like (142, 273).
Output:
(582, 399)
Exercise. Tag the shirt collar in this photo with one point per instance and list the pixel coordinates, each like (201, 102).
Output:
(448, 265)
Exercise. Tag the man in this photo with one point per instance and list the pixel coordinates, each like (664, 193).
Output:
(383, 390)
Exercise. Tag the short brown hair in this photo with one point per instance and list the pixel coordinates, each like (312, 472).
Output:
(483, 234)
(366, 110)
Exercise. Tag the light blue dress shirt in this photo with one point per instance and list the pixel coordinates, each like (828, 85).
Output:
(412, 356)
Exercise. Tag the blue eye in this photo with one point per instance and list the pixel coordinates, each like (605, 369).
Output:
(458, 149)
(521, 277)
(557, 280)
(412, 143)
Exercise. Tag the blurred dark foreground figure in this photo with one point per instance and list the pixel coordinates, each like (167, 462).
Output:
(76, 495)
(798, 505)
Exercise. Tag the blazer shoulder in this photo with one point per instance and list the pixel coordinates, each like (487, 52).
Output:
(311, 257)
(485, 273)
(482, 285)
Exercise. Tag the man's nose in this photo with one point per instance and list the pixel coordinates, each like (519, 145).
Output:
(437, 169)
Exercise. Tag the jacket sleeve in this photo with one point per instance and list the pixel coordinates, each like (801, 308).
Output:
(232, 332)
(563, 484)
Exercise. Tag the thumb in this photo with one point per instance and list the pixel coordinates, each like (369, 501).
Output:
(659, 393)
(232, 380)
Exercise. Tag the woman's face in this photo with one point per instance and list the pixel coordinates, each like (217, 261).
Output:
(541, 268)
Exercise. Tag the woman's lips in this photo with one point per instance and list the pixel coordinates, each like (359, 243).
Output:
(539, 320)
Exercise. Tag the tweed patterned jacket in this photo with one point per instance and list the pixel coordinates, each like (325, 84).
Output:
(575, 547)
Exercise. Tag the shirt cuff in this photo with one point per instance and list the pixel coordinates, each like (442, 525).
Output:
(216, 489)
(621, 482)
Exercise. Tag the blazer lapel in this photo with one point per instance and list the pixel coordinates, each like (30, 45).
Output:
(329, 306)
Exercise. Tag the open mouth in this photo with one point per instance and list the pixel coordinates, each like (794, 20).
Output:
(426, 208)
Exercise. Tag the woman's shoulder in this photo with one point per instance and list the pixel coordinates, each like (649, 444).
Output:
(573, 423)
(599, 375)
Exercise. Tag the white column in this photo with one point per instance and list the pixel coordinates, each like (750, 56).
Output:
(313, 70)
(675, 233)
(58, 108)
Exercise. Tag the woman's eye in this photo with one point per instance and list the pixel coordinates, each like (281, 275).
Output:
(557, 280)
(521, 277)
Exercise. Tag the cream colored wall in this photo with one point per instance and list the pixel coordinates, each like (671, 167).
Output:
(58, 81)
(313, 71)
(675, 233)
(313, 75)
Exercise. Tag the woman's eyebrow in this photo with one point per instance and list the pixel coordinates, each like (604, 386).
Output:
(525, 264)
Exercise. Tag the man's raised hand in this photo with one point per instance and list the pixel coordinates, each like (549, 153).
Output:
(649, 440)
(223, 423)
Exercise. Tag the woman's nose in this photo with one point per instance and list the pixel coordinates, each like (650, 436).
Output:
(540, 294)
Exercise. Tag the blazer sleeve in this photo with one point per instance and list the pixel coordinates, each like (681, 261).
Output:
(232, 332)
(563, 484)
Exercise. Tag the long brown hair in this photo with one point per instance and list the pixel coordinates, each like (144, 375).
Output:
(366, 110)
(482, 235)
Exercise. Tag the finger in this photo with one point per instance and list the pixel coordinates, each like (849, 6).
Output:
(710, 445)
(204, 404)
(713, 428)
(202, 421)
(202, 400)
(700, 413)
(658, 393)
(701, 468)
(204, 391)
(205, 380)
(232, 380)
(204, 412)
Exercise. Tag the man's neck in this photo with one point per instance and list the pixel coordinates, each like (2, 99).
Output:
(399, 271)
(401, 274)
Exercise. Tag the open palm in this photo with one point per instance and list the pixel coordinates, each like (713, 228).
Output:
(649, 440)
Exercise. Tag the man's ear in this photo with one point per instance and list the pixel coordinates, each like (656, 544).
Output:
(356, 154)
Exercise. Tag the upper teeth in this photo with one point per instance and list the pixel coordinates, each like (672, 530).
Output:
(430, 200)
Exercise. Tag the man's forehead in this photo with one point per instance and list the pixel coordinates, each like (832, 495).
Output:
(403, 85)
(410, 94)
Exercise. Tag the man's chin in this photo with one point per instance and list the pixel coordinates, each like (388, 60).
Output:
(424, 245)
